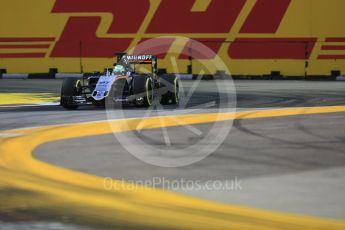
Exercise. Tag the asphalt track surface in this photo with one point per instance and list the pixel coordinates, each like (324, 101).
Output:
(292, 164)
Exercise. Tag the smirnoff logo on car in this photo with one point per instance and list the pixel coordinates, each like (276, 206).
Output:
(139, 57)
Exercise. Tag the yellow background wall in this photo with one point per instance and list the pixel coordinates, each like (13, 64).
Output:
(304, 18)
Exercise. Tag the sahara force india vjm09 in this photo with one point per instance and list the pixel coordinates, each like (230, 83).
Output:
(122, 86)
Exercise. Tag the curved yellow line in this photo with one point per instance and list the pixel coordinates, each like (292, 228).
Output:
(52, 191)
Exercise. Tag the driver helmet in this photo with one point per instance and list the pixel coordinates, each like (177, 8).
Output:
(119, 69)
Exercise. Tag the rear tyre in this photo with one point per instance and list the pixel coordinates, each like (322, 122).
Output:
(170, 89)
(143, 88)
(70, 87)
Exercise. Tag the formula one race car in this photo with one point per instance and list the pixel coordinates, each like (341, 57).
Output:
(122, 86)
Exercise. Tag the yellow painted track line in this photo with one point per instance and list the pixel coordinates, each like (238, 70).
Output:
(48, 190)
(27, 98)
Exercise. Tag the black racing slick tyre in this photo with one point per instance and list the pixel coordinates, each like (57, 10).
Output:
(169, 89)
(143, 89)
(70, 87)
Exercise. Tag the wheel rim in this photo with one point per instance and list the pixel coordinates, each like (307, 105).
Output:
(78, 88)
(177, 90)
(149, 93)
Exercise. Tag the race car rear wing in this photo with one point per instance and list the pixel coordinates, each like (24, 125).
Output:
(138, 59)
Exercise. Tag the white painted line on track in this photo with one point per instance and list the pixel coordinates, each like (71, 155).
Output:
(68, 75)
(30, 105)
(15, 76)
(10, 134)
(341, 78)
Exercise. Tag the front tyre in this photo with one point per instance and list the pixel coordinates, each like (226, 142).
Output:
(71, 87)
(170, 89)
(143, 90)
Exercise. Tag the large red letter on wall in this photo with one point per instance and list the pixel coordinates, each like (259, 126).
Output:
(202, 48)
(79, 35)
(266, 16)
(175, 16)
(272, 48)
(79, 40)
